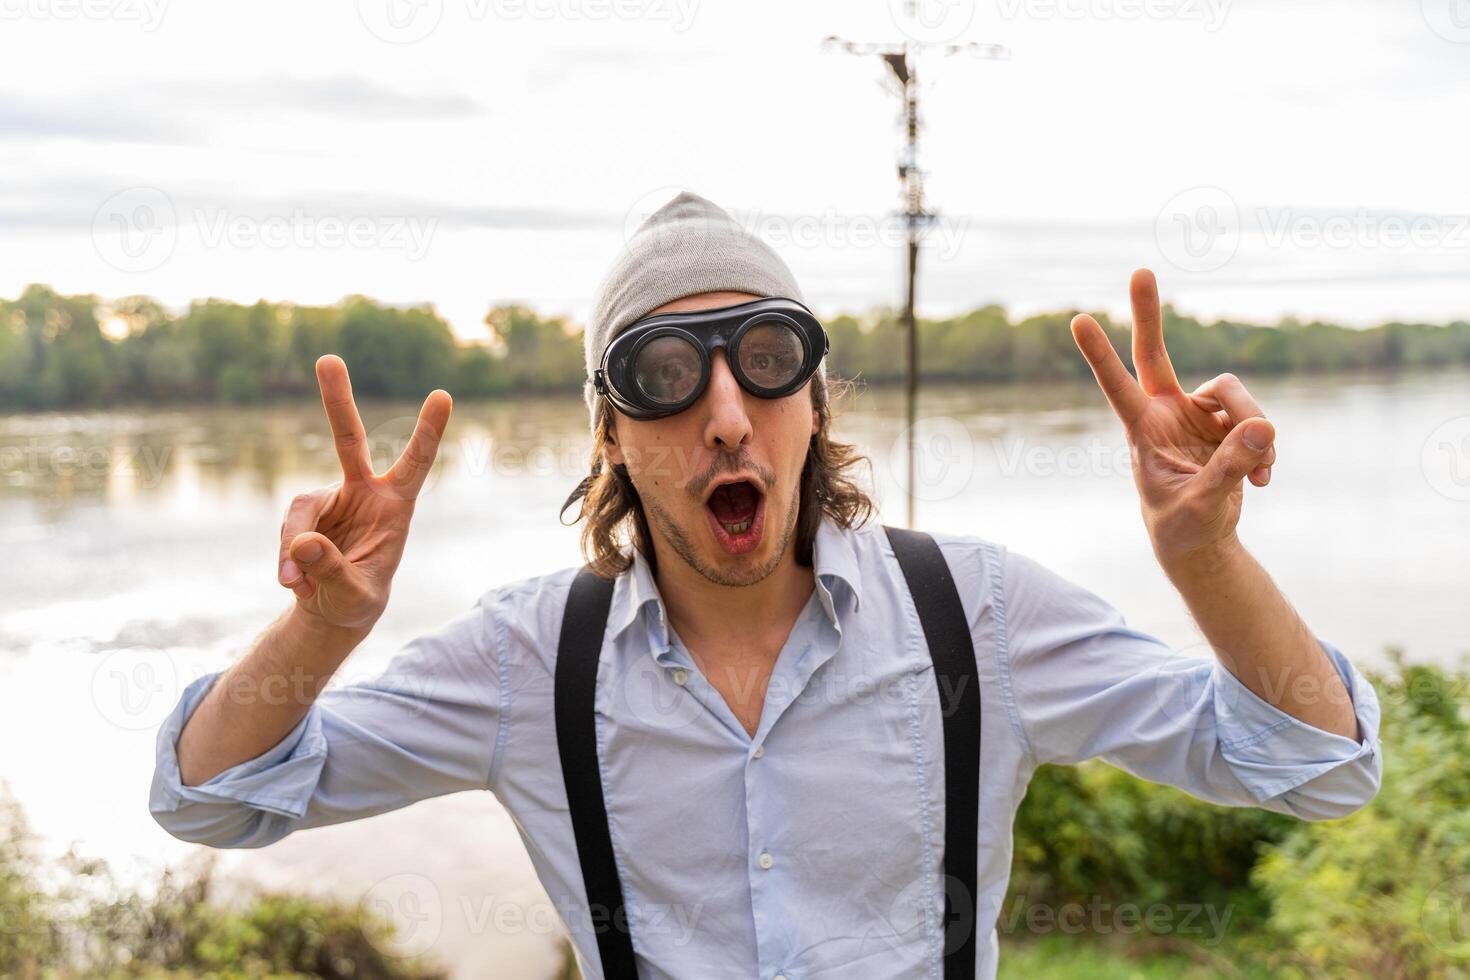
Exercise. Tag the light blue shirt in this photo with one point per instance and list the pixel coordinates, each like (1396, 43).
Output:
(813, 849)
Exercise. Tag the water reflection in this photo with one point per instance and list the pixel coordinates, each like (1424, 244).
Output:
(98, 502)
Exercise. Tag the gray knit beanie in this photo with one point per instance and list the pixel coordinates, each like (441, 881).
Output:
(688, 246)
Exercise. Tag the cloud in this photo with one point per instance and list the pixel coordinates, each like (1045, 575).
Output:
(69, 205)
(183, 111)
(560, 65)
(20, 119)
(340, 96)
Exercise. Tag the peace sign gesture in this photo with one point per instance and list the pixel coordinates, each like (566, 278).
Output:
(341, 544)
(1190, 450)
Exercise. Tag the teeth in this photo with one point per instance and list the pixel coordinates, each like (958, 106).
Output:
(740, 528)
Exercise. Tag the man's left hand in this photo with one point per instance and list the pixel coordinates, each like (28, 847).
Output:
(1190, 450)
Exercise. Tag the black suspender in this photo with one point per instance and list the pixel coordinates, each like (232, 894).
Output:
(577, 653)
(948, 636)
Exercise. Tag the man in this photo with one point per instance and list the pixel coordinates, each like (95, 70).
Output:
(765, 733)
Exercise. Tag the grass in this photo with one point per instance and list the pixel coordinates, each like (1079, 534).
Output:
(1068, 958)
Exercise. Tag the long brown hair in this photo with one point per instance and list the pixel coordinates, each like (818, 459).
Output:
(614, 513)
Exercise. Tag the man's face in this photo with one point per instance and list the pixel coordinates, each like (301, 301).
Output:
(721, 480)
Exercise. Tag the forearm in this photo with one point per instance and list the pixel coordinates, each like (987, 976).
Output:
(1259, 637)
(260, 699)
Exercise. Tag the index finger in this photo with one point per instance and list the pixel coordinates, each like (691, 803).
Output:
(1150, 358)
(1123, 393)
(348, 434)
(412, 465)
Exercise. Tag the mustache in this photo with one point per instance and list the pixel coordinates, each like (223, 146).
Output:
(732, 463)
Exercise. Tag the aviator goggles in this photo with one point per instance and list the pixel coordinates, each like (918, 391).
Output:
(660, 365)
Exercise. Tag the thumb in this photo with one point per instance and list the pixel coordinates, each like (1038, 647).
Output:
(316, 553)
(1243, 449)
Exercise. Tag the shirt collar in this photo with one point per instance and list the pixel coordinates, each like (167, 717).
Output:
(833, 555)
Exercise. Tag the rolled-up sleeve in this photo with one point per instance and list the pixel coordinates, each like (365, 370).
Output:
(1295, 767)
(1085, 685)
(427, 726)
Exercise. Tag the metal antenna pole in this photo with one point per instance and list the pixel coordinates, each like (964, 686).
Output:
(915, 218)
(902, 62)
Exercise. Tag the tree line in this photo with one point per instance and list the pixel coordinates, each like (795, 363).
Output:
(60, 351)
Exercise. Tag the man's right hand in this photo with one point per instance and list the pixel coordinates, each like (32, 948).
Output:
(341, 544)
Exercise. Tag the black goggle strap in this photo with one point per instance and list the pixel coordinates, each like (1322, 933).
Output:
(694, 328)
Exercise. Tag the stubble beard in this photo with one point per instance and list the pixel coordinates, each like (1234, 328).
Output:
(685, 549)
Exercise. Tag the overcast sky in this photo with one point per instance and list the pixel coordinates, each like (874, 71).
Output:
(1266, 157)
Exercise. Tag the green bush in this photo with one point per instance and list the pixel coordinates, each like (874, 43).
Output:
(30, 935)
(179, 931)
(1092, 832)
(1386, 892)
(70, 921)
(1383, 893)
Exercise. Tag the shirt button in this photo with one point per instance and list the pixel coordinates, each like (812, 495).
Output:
(681, 676)
(766, 861)
(760, 750)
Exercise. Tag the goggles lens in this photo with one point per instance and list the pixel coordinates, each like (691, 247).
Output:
(771, 354)
(661, 364)
(667, 369)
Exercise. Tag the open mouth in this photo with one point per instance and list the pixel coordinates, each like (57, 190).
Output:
(736, 514)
